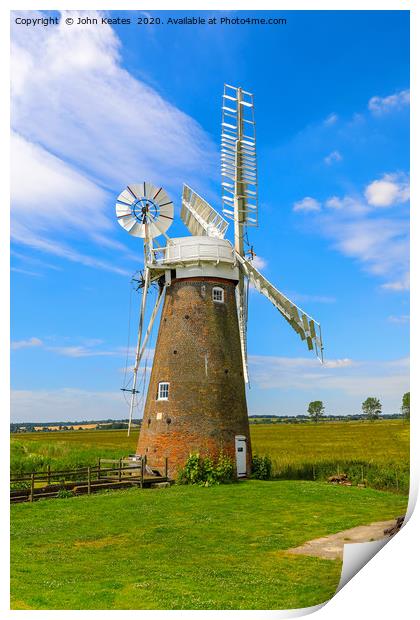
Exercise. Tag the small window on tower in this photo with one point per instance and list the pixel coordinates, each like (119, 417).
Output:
(218, 294)
(163, 391)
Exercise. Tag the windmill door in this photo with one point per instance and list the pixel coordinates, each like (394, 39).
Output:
(240, 451)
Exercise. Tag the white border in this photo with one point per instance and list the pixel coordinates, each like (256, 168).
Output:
(387, 587)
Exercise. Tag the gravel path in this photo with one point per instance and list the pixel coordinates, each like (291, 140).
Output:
(331, 547)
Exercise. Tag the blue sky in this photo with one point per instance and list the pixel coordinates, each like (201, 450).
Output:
(97, 107)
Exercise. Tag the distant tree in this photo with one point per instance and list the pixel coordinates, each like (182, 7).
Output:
(405, 407)
(372, 408)
(316, 409)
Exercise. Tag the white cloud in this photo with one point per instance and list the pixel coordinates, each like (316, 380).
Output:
(381, 193)
(88, 348)
(24, 344)
(391, 189)
(80, 103)
(91, 347)
(83, 128)
(66, 404)
(259, 262)
(382, 105)
(379, 243)
(343, 363)
(52, 193)
(334, 202)
(398, 285)
(350, 204)
(401, 319)
(52, 198)
(25, 272)
(331, 119)
(307, 204)
(23, 234)
(345, 380)
(82, 351)
(333, 157)
(32, 260)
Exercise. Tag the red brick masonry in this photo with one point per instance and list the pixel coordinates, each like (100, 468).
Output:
(198, 352)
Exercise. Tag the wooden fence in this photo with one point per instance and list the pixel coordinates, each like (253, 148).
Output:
(84, 479)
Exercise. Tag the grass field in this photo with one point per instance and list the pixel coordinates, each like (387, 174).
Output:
(377, 452)
(379, 441)
(186, 547)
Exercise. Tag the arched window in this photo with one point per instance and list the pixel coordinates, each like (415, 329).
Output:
(218, 294)
(163, 390)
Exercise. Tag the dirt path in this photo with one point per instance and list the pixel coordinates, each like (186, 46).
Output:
(331, 547)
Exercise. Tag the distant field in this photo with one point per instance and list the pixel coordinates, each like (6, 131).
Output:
(186, 547)
(376, 451)
(74, 427)
(379, 441)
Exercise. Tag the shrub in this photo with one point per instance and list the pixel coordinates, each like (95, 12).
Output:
(224, 469)
(19, 485)
(207, 472)
(63, 493)
(261, 468)
(191, 472)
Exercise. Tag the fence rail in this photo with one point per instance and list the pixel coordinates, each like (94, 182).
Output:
(85, 479)
(123, 464)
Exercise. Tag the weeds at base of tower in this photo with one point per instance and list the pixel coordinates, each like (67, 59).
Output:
(206, 472)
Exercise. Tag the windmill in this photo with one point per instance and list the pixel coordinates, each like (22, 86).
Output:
(196, 395)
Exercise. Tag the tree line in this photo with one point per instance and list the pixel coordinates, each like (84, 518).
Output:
(371, 408)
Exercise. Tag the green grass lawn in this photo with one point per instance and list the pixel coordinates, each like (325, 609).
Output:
(186, 547)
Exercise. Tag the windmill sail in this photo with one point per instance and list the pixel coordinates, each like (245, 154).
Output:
(303, 324)
(199, 217)
(239, 162)
(239, 185)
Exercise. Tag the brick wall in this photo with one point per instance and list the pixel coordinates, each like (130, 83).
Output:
(198, 352)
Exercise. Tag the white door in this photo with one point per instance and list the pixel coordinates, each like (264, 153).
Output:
(240, 451)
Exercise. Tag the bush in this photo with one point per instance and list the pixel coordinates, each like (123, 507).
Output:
(261, 467)
(63, 493)
(19, 485)
(224, 469)
(206, 472)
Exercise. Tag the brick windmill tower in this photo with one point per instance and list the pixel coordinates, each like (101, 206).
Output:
(196, 398)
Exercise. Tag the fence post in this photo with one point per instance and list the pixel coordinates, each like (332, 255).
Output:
(313, 472)
(49, 474)
(363, 478)
(119, 470)
(142, 472)
(31, 496)
(338, 469)
(166, 466)
(99, 468)
(89, 480)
